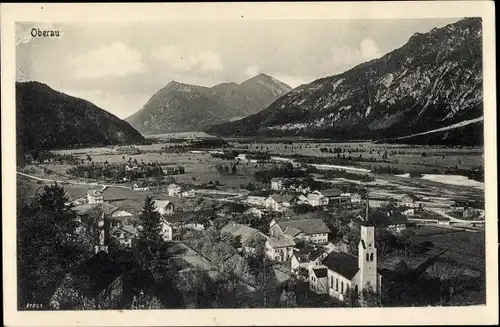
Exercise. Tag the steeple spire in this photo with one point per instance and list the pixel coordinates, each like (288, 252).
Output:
(367, 206)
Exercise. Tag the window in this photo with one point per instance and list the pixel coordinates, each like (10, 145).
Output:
(367, 257)
(342, 287)
(371, 257)
(336, 284)
(331, 281)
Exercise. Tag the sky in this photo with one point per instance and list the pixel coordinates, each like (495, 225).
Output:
(119, 66)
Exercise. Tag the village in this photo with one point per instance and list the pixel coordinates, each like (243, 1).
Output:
(341, 242)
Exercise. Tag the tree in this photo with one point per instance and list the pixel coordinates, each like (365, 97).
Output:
(150, 235)
(89, 159)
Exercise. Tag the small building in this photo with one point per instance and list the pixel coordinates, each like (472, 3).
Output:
(276, 184)
(165, 207)
(333, 195)
(173, 190)
(166, 230)
(279, 202)
(409, 200)
(316, 198)
(95, 196)
(392, 220)
(443, 221)
(279, 248)
(125, 235)
(258, 197)
(353, 198)
(188, 193)
(242, 157)
(309, 230)
(254, 212)
(248, 236)
(307, 257)
(301, 188)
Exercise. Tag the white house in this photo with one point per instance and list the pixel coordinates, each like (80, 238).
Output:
(188, 193)
(165, 207)
(276, 184)
(173, 190)
(95, 196)
(258, 197)
(409, 201)
(310, 230)
(278, 202)
(308, 257)
(279, 248)
(316, 198)
(353, 198)
(166, 230)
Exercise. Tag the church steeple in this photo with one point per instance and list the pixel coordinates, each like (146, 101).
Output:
(367, 253)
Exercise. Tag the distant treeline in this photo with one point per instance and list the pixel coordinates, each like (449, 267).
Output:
(115, 172)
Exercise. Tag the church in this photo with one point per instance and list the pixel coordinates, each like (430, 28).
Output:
(339, 272)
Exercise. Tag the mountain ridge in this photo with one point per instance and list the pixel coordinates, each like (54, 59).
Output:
(48, 119)
(434, 80)
(180, 107)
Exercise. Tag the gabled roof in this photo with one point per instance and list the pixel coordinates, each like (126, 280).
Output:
(281, 242)
(83, 209)
(276, 179)
(411, 196)
(292, 231)
(233, 206)
(308, 226)
(314, 196)
(309, 253)
(381, 219)
(321, 272)
(173, 186)
(244, 232)
(162, 203)
(332, 192)
(282, 198)
(342, 263)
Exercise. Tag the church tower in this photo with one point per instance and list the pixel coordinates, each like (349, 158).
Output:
(367, 255)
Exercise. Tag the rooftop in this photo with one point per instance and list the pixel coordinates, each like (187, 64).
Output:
(342, 263)
(281, 242)
(308, 226)
(309, 253)
(244, 232)
(332, 192)
(282, 198)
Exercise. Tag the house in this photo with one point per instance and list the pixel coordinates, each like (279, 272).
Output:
(254, 212)
(229, 209)
(188, 193)
(166, 230)
(258, 197)
(279, 248)
(307, 257)
(195, 226)
(165, 207)
(241, 157)
(301, 188)
(125, 235)
(115, 215)
(318, 280)
(173, 190)
(392, 220)
(347, 272)
(353, 198)
(248, 236)
(310, 230)
(333, 195)
(276, 184)
(279, 202)
(407, 211)
(316, 198)
(408, 200)
(95, 196)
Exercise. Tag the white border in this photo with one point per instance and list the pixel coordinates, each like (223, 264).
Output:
(11, 13)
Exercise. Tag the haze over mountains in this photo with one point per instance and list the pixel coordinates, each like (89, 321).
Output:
(182, 107)
(48, 119)
(433, 81)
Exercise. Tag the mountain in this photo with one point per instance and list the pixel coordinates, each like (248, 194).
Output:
(434, 80)
(180, 107)
(48, 119)
(251, 96)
